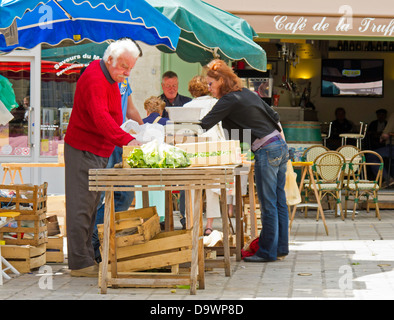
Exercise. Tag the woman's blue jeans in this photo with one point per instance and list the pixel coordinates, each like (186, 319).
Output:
(270, 178)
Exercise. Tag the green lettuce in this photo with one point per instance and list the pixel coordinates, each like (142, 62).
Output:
(153, 155)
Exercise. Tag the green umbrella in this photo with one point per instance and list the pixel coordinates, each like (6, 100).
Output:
(208, 32)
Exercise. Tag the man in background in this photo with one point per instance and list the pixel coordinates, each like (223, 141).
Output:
(169, 84)
(375, 129)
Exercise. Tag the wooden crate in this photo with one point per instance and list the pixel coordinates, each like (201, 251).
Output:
(165, 249)
(56, 205)
(213, 153)
(27, 199)
(55, 253)
(247, 218)
(134, 226)
(155, 263)
(25, 258)
(125, 155)
(28, 230)
(52, 225)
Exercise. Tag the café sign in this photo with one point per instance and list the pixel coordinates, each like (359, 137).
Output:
(366, 26)
(343, 22)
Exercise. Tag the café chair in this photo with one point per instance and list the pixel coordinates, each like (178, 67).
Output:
(309, 155)
(328, 172)
(325, 136)
(357, 136)
(358, 185)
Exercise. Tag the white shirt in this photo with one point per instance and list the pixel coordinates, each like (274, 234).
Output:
(206, 103)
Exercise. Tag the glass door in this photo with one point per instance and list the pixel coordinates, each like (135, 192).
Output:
(16, 135)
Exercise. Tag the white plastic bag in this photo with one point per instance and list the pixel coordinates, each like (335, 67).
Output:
(131, 126)
(292, 191)
(149, 132)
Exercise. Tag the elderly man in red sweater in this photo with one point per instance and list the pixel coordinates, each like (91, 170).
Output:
(92, 134)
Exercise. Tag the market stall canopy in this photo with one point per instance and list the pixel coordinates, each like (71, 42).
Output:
(27, 23)
(209, 32)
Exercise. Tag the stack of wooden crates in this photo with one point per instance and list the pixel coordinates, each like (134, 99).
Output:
(26, 237)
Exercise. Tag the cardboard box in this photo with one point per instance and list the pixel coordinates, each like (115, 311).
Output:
(213, 153)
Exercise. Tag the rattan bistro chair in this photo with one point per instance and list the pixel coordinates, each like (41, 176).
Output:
(328, 171)
(358, 184)
(309, 155)
(349, 152)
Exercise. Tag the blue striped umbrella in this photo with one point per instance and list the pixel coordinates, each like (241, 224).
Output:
(27, 23)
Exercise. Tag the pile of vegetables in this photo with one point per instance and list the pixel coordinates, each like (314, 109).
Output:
(155, 155)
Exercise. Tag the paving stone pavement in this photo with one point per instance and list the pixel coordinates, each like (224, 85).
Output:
(355, 261)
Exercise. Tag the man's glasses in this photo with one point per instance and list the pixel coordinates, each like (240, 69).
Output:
(169, 86)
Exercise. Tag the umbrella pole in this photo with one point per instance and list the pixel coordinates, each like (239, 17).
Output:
(67, 14)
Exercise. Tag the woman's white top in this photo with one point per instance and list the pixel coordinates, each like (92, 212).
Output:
(206, 103)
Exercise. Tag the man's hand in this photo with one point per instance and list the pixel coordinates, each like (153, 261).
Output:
(384, 137)
(134, 143)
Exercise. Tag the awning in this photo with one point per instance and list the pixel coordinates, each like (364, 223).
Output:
(208, 32)
(50, 70)
(319, 19)
(46, 67)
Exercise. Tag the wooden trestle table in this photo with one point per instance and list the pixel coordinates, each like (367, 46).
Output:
(189, 179)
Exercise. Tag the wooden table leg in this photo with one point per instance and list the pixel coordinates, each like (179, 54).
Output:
(105, 251)
(145, 198)
(239, 234)
(20, 175)
(112, 240)
(5, 169)
(188, 209)
(169, 214)
(201, 251)
(226, 245)
(195, 244)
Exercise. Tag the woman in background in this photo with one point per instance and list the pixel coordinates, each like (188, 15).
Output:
(198, 88)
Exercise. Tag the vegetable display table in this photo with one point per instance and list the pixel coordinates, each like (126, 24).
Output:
(168, 179)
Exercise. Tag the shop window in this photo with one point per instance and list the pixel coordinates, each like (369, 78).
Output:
(60, 70)
(15, 101)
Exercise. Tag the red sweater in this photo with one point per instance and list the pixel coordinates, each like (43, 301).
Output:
(96, 116)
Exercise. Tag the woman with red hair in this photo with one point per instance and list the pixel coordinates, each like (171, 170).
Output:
(246, 117)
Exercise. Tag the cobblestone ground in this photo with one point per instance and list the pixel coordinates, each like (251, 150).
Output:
(355, 261)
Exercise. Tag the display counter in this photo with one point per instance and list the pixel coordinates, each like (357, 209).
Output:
(296, 114)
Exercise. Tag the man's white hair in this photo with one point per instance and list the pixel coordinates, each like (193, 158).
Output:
(117, 48)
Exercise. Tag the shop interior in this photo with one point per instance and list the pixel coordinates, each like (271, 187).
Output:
(296, 78)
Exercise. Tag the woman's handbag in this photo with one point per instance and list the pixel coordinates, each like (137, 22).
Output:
(292, 191)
